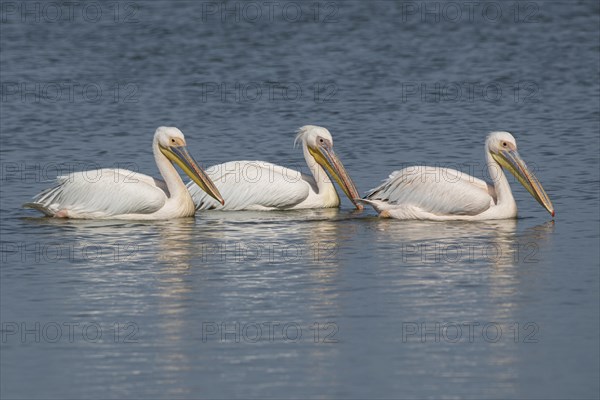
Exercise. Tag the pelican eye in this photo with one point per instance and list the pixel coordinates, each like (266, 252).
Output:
(321, 140)
(504, 144)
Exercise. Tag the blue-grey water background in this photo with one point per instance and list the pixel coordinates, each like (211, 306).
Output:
(328, 303)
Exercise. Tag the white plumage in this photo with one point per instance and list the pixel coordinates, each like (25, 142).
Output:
(260, 185)
(123, 194)
(446, 194)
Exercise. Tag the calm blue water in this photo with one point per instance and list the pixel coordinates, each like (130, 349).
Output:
(315, 304)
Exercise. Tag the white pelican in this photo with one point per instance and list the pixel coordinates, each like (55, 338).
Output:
(122, 194)
(260, 186)
(442, 194)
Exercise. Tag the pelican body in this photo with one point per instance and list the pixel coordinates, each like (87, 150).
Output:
(262, 186)
(442, 194)
(123, 194)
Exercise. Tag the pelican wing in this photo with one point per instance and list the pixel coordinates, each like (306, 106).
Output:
(252, 185)
(102, 193)
(440, 191)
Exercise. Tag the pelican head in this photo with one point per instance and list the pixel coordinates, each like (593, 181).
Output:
(502, 146)
(319, 144)
(171, 143)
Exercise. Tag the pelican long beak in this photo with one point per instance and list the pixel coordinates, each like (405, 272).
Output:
(180, 156)
(326, 157)
(511, 160)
